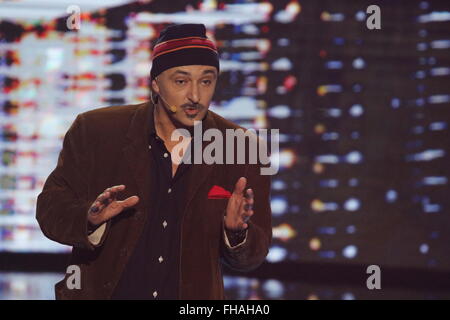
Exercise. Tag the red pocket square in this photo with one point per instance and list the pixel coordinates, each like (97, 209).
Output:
(217, 192)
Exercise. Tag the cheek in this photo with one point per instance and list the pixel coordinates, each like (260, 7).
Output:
(208, 94)
(177, 93)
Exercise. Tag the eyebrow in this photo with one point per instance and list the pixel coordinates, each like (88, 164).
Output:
(182, 72)
(209, 71)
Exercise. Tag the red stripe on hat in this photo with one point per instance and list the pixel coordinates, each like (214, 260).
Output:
(161, 43)
(181, 48)
(184, 43)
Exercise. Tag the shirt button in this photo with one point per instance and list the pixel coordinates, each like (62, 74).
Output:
(155, 293)
(160, 259)
(164, 224)
(166, 155)
(169, 191)
(149, 146)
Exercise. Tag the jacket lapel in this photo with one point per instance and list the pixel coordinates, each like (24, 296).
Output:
(200, 172)
(137, 153)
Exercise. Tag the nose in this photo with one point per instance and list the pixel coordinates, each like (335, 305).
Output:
(194, 93)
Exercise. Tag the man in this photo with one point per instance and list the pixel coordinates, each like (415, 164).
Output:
(177, 221)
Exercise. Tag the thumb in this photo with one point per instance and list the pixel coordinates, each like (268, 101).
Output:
(240, 185)
(128, 202)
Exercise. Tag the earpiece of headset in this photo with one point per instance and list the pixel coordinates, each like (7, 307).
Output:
(172, 108)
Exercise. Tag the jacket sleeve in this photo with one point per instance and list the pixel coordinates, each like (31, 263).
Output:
(63, 204)
(251, 253)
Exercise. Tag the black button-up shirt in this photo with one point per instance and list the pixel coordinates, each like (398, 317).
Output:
(153, 269)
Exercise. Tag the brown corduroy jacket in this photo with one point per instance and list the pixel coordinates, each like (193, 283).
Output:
(109, 146)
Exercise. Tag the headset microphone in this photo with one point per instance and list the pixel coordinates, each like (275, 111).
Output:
(171, 107)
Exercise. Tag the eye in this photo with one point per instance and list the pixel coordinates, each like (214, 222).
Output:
(180, 81)
(207, 82)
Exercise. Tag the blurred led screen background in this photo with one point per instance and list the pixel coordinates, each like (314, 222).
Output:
(363, 114)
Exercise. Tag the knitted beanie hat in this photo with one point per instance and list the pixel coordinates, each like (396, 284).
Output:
(181, 45)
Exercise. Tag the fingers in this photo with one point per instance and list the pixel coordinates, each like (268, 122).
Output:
(249, 196)
(240, 186)
(247, 208)
(248, 201)
(110, 194)
(95, 208)
(105, 198)
(241, 209)
(106, 205)
(128, 202)
(118, 206)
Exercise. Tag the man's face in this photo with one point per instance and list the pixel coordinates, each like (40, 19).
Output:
(189, 88)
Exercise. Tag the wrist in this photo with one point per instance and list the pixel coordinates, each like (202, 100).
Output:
(232, 229)
(91, 227)
(236, 236)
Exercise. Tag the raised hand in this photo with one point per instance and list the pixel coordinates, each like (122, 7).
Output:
(107, 206)
(239, 207)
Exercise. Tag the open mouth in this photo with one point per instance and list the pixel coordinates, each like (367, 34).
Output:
(191, 110)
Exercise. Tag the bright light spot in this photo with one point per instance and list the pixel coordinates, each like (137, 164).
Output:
(315, 244)
(350, 251)
(391, 196)
(274, 289)
(352, 204)
(356, 110)
(424, 248)
(360, 16)
(359, 63)
(348, 296)
(276, 254)
(279, 206)
(354, 157)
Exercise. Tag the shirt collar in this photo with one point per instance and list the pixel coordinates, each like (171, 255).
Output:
(207, 121)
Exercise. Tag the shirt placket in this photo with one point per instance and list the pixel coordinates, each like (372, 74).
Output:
(165, 220)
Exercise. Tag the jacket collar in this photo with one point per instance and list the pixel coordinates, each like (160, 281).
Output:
(142, 123)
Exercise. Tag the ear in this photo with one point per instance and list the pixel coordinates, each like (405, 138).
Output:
(155, 86)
